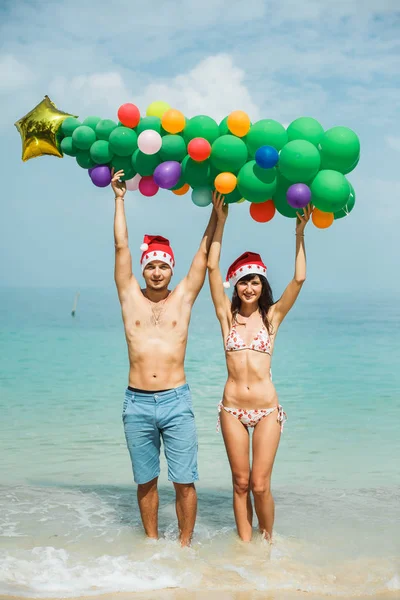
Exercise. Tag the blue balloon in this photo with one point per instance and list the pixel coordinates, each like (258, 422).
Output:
(266, 157)
(202, 196)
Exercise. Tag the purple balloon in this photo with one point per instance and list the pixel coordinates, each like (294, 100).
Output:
(167, 174)
(298, 195)
(101, 175)
(90, 170)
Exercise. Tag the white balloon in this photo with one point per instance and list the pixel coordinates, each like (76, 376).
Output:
(133, 184)
(149, 141)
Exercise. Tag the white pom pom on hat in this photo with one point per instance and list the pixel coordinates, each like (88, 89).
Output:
(226, 284)
(144, 247)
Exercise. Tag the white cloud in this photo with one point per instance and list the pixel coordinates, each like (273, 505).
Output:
(90, 94)
(14, 75)
(213, 87)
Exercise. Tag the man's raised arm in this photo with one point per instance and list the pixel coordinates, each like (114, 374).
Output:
(123, 275)
(194, 280)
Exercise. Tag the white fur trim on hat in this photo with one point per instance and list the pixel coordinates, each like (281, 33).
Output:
(157, 255)
(144, 247)
(226, 284)
(247, 270)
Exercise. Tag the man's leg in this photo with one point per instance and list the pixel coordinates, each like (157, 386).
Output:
(186, 510)
(178, 431)
(143, 441)
(147, 495)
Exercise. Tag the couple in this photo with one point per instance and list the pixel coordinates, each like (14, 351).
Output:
(158, 402)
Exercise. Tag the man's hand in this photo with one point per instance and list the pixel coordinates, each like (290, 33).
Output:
(118, 186)
(220, 208)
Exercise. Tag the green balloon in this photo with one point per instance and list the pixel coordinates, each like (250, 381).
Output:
(101, 152)
(233, 197)
(305, 128)
(330, 191)
(299, 161)
(92, 122)
(123, 163)
(228, 153)
(123, 141)
(266, 132)
(280, 200)
(343, 212)
(196, 174)
(201, 126)
(180, 183)
(173, 148)
(223, 127)
(67, 146)
(340, 149)
(252, 187)
(144, 164)
(83, 137)
(104, 128)
(149, 123)
(69, 125)
(84, 159)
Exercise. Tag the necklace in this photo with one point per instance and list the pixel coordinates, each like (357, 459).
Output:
(157, 313)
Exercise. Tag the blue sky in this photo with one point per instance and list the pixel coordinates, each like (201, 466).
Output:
(332, 60)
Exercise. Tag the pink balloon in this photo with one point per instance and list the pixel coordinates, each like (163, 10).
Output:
(149, 141)
(133, 184)
(147, 186)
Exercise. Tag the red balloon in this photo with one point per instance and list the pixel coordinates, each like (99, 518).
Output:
(129, 115)
(199, 149)
(263, 211)
(147, 186)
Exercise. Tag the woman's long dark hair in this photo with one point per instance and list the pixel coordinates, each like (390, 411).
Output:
(265, 301)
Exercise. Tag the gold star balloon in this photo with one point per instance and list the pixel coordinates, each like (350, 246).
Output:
(40, 130)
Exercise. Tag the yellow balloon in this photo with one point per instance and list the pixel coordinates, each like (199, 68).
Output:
(239, 123)
(157, 109)
(173, 121)
(241, 201)
(321, 219)
(225, 183)
(39, 130)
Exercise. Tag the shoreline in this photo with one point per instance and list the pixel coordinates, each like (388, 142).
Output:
(205, 594)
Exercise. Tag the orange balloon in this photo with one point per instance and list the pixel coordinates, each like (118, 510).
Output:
(321, 219)
(225, 183)
(183, 190)
(173, 121)
(262, 211)
(238, 123)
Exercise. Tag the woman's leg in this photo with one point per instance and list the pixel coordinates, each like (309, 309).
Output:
(266, 438)
(236, 438)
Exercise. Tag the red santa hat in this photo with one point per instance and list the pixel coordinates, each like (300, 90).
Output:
(249, 263)
(156, 247)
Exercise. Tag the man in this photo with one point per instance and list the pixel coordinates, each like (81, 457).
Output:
(158, 402)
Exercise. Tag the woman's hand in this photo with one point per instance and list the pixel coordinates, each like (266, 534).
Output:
(302, 219)
(118, 186)
(220, 208)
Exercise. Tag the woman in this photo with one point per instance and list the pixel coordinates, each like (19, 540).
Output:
(249, 325)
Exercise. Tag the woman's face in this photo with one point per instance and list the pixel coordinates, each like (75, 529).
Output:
(249, 291)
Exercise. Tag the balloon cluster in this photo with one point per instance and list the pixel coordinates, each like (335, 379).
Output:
(273, 167)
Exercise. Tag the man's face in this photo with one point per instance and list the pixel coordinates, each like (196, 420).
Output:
(157, 275)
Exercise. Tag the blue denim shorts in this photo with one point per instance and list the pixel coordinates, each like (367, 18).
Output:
(149, 417)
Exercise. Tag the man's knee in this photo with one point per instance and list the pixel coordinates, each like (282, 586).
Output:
(149, 486)
(184, 490)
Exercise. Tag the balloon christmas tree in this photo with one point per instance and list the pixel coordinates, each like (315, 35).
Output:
(274, 168)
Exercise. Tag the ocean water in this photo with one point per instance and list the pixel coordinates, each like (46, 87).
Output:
(69, 523)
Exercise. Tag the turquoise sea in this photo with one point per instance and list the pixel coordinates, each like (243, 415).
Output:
(69, 524)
